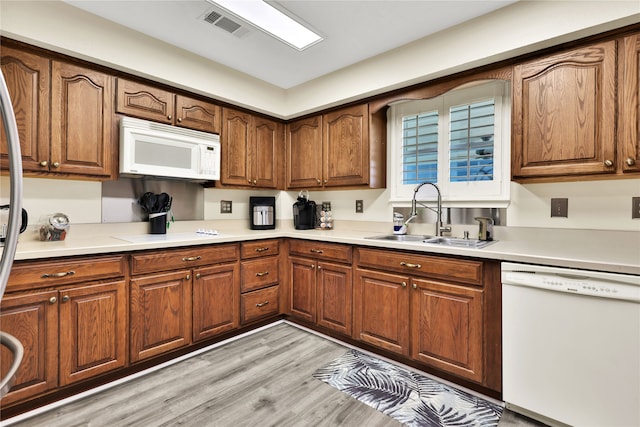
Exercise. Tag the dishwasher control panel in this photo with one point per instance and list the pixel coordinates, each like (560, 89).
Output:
(588, 283)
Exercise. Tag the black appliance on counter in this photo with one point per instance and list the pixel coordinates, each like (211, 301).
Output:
(262, 213)
(304, 213)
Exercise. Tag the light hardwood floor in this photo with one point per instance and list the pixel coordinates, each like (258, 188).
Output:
(264, 379)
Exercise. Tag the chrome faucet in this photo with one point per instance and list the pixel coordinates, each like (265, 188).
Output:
(440, 227)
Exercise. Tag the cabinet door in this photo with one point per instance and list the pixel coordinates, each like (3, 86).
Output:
(446, 327)
(27, 77)
(216, 293)
(334, 292)
(93, 330)
(160, 314)
(235, 145)
(266, 154)
(199, 115)
(81, 121)
(146, 102)
(381, 310)
(33, 320)
(304, 153)
(302, 276)
(629, 104)
(565, 114)
(346, 146)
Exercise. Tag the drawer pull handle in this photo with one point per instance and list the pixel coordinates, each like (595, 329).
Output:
(261, 249)
(262, 274)
(191, 258)
(262, 304)
(316, 251)
(410, 265)
(55, 275)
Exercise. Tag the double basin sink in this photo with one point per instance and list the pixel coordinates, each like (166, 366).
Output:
(442, 241)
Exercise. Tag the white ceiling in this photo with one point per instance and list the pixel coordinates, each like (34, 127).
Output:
(353, 31)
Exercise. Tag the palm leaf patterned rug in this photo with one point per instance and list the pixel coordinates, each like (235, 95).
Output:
(410, 398)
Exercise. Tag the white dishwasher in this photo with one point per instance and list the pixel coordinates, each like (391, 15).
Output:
(571, 345)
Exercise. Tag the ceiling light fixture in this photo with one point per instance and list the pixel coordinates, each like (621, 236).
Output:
(272, 21)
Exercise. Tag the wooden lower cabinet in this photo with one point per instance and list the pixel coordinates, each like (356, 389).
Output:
(33, 319)
(160, 313)
(321, 284)
(215, 300)
(407, 305)
(381, 310)
(446, 327)
(68, 335)
(260, 284)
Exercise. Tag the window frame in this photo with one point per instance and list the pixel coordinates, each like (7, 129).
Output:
(493, 193)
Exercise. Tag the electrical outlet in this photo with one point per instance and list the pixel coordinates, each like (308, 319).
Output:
(560, 207)
(359, 206)
(225, 206)
(635, 207)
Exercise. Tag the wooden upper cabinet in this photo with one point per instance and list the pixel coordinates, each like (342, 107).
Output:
(81, 121)
(152, 103)
(336, 149)
(27, 78)
(346, 147)
(251, 150)
(629, 104)
(304, 153)
(564, 113)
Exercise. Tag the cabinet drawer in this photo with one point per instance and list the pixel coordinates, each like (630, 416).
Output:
(172, 259)
(466, 271)
(39, 274)
(258, 304)
(321, 250)
(259, 248)
(259, 273)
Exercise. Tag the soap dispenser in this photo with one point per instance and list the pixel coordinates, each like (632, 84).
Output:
(399, 227)
(485, 230)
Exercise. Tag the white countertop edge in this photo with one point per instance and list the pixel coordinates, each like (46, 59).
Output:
(601, 250)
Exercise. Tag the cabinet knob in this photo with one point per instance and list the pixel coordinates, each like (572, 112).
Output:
(325, 181)
(319, 267)
(169, 117)
(198, 276)
(56, 164)
(66, 298)
(44, 163)
(313, 266)
(188, 276)
(608, 163)
(414, 286)
(254, 182)
(630, 161)
(53, 300)
(318, 181)
(179, 119)
(404, 284)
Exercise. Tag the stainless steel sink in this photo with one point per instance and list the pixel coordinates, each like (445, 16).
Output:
(400, 237)
(458, 242)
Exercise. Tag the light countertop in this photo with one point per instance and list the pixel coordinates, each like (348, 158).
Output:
(612, 251)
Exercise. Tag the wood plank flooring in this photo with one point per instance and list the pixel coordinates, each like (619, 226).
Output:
(264, 379)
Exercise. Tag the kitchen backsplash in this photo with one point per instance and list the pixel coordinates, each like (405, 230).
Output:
(600, 205)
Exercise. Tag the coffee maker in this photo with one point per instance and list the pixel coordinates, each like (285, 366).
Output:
(304, 212)
(262, 213)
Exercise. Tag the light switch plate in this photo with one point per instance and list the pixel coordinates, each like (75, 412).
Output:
(635, 207)
(560, 207)
(226, 206)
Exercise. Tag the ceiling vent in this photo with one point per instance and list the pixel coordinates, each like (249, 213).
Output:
(219, 20)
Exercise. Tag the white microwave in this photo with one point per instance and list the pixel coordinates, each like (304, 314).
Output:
(159, 150)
